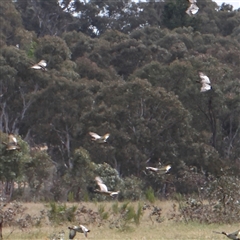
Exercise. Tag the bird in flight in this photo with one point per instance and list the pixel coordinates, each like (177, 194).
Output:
(40, 66)
(103, 188)
(162, 170)
(233, 235)
(205, 81)
(12, 143)
(73, 231)
(99, 139)
(193, 8)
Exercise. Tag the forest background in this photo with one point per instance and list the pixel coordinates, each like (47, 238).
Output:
(129, 69)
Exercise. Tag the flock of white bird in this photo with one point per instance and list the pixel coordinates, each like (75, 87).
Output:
(12, 143)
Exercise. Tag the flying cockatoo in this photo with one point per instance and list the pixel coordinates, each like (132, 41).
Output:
(99, 139)
(193, 8)
(40, 66)
(12, 143)
(75, 229)
(162, 170)
(103, 188)
(205, 81)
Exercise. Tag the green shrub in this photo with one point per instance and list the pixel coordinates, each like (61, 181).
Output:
(60, 213)
(150, 195)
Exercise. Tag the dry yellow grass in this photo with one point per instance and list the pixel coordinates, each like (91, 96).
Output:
(168, 229)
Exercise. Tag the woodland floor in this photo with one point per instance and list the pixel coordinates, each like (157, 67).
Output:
(146, 230)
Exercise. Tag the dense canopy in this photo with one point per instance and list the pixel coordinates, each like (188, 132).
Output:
(125, 68)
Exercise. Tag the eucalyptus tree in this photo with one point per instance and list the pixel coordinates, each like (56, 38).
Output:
(144, 122)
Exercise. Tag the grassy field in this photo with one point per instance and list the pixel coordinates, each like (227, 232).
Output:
(146, 230)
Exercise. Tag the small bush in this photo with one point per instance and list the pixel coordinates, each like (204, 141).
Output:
(101, 210)
(60, 213)
(150, 195)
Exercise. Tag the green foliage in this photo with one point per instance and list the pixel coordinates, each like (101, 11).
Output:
(149, 193)
(138, 214)
(118, 72)
(71, 197)
(60, 213)
(103, 214)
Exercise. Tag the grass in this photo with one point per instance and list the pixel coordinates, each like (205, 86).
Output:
(146, 230)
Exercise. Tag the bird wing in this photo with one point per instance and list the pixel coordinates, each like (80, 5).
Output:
(152, 169)
(193, 1)
(84, 230)
(106, 136)
(95, 135)
(205, 87)
(72, 233)
(36, 66)
(204, 78)
(102, 186)
(194, 8)
(168, 167)
(42, 64)
(12, 139)
(234, 235)
(114, 193)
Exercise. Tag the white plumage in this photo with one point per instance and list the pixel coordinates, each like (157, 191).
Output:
(163, 170)
(193, 8)
(103, 188)
(12, 143)
(205, 81)
(99, 139)
(40, 66)
(74, 229)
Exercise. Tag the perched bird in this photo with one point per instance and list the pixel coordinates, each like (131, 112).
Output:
(103, 188)
(73, 231)
(12, 143)
(193, 8)
(162, 170)
(99, 139)
(233, 236)
(40, 66)
(205, 81)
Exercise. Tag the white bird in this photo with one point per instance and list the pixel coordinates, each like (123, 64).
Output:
(205, 81)
(163, 170)
(193, 8)
(233, 236)
(73, 231)
(12, 143)
(103, 188)
(40, 66)
(99, 139)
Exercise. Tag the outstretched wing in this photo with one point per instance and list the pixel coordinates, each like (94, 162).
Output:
(102, 186)
(42, 64)
(153, 169)
(106, 136)
(234, 235)
(95, 135)
(84, 230)
(72, 232)
(12, 139)
(205, 87)
(204, 78)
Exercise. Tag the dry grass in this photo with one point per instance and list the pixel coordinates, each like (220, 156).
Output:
(168, 229)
